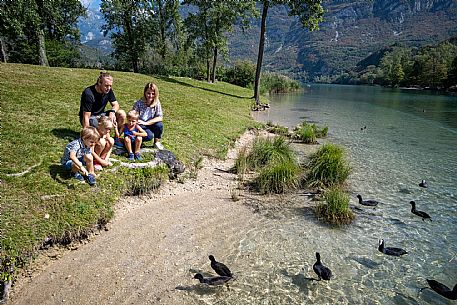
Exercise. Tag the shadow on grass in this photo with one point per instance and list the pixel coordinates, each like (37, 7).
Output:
(65, 133)
(62, 176)
(172, 80)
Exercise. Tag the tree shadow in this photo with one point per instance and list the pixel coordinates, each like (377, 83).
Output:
(65, 133)
(172, 80)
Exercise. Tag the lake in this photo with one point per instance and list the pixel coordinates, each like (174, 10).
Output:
(393, 139)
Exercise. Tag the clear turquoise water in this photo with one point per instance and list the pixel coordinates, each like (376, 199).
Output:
(409, 136)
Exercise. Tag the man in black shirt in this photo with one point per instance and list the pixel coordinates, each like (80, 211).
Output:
(94, 100)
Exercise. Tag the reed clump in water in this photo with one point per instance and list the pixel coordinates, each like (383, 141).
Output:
(144, 180)
(328, 167)
(278, 176)
(309, 133)
(274, 160)
(335, 210)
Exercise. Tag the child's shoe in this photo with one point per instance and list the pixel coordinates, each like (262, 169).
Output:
(131, 157)
(138, 157)
(158, 145)
(91, 179)
(78, 176)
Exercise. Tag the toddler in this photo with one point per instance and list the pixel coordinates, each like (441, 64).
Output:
(103, 148)
(78, 155)
(133, 135)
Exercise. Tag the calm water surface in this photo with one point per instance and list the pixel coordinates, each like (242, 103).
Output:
(409, 136)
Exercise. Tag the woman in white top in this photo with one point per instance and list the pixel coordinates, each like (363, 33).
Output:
(151, 115)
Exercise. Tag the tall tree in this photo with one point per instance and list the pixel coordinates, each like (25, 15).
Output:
(309, 12)
(211, 22)
(38, 21)
(127, 20)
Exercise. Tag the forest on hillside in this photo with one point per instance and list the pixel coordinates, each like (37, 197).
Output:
(197, 38)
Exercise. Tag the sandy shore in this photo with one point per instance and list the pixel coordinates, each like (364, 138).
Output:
(152, 248)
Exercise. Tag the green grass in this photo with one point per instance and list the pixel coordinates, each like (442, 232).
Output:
(328, 167)
(274, 160)
(39, 116)
(278, 176)
(263, 151)
(336, 209)
(308, 133)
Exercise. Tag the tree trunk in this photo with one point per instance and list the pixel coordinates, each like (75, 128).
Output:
(3, 50)
(162, 46)
(260, 55)
(213, 74)
(42, 59)
(128, 29)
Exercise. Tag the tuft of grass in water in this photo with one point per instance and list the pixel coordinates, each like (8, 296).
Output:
(336, 209)
(141, 181)
(266, 150)
(278, 176)
(328, 167)
(275, 161)
(241, 163)
(277, 129)
(308, 133)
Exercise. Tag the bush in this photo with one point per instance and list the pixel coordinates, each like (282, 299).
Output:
(309, 133)
(278, 176)
(277, 83)
(336, 209)
(277, 129)
(241, 74)
(306, 134)
(266, 150)
(144, 180)
(328, 167)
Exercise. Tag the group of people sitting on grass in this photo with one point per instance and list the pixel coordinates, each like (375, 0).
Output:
(92, 150)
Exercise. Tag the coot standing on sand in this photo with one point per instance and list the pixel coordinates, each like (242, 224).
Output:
(219, 267)
(321, 271)
(390, 250)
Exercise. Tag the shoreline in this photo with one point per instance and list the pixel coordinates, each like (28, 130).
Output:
(144, 229)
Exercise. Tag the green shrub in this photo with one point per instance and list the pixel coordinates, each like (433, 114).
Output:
(320, 133)
(144, 180)
(277, 83)
(309, 133)
(278, 176)
(336, 209)
(241, 74)
(277, 129)
(306, 134)
(265, 150)
(327, 166)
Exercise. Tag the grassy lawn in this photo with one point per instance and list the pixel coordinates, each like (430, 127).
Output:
(39, 116)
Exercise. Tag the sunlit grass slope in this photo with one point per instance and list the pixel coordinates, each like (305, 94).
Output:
(39, 116)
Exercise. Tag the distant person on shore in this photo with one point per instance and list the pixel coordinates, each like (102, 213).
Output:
(102, 150)
(150, 114)
(94, 100)
(77, 156)
(133, 135)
